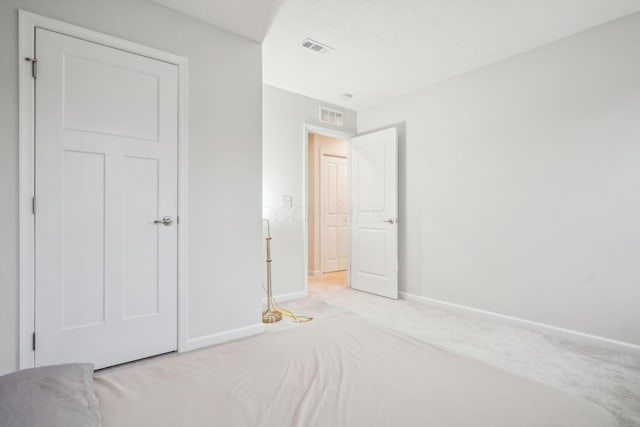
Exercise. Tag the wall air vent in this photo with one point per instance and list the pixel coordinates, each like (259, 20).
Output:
(331, 117)
(316, 46)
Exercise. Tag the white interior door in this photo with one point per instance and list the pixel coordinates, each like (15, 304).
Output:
(343, 226)
(374, 202)
(106, 168)
(333, 194)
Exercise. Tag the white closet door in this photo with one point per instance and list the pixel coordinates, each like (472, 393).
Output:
(374, 200)
(343, 222)
(106, 168)
(330, 193)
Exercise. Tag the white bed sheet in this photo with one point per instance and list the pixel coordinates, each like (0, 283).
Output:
(337, 372)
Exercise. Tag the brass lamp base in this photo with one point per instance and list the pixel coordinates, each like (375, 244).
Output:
(270, 316)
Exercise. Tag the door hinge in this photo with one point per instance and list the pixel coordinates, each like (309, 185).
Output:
(177, 219)
(33, 205)
(33, 341)
(34, 66)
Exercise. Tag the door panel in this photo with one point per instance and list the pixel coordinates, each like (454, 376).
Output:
(371, 178)
(140, 278)
(374, 233)
(83, 192)
(92, 87)
(106, 168)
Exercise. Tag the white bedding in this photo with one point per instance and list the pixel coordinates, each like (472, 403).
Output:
(338, 372)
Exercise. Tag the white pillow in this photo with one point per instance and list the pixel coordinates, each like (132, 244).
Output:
(51, 396)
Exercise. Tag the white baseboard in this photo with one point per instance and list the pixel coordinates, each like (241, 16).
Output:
(286, 297)
(571, 334)
(225, 336)
(315, 273)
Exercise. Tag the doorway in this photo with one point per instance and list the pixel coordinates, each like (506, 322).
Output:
(372, 217)
(328, 209)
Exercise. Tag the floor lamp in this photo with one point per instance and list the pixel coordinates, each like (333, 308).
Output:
(270, 315)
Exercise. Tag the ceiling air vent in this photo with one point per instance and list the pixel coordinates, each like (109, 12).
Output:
(316, 46)
(331, 117)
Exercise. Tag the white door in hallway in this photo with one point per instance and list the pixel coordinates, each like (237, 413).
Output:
(374, 212)
(334, 204)
(106, 169)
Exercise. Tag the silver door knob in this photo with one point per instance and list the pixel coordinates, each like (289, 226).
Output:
(390, 220)
(167, 221)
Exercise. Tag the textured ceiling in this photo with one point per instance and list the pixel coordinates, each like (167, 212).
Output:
(386, 48)
(249, 18)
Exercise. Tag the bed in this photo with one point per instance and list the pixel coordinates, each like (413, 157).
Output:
(334, 372)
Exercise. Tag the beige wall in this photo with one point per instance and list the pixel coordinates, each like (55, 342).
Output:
(314, 265)
(317, 145)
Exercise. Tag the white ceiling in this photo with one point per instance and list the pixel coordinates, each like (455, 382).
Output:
(386, 48)
(249, 18)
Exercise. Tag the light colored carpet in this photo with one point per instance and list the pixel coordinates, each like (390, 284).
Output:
(607, 378)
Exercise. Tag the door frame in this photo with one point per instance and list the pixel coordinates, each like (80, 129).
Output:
(331, 133)
(26, 183)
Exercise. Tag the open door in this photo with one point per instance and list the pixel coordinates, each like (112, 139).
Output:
(374, 213)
